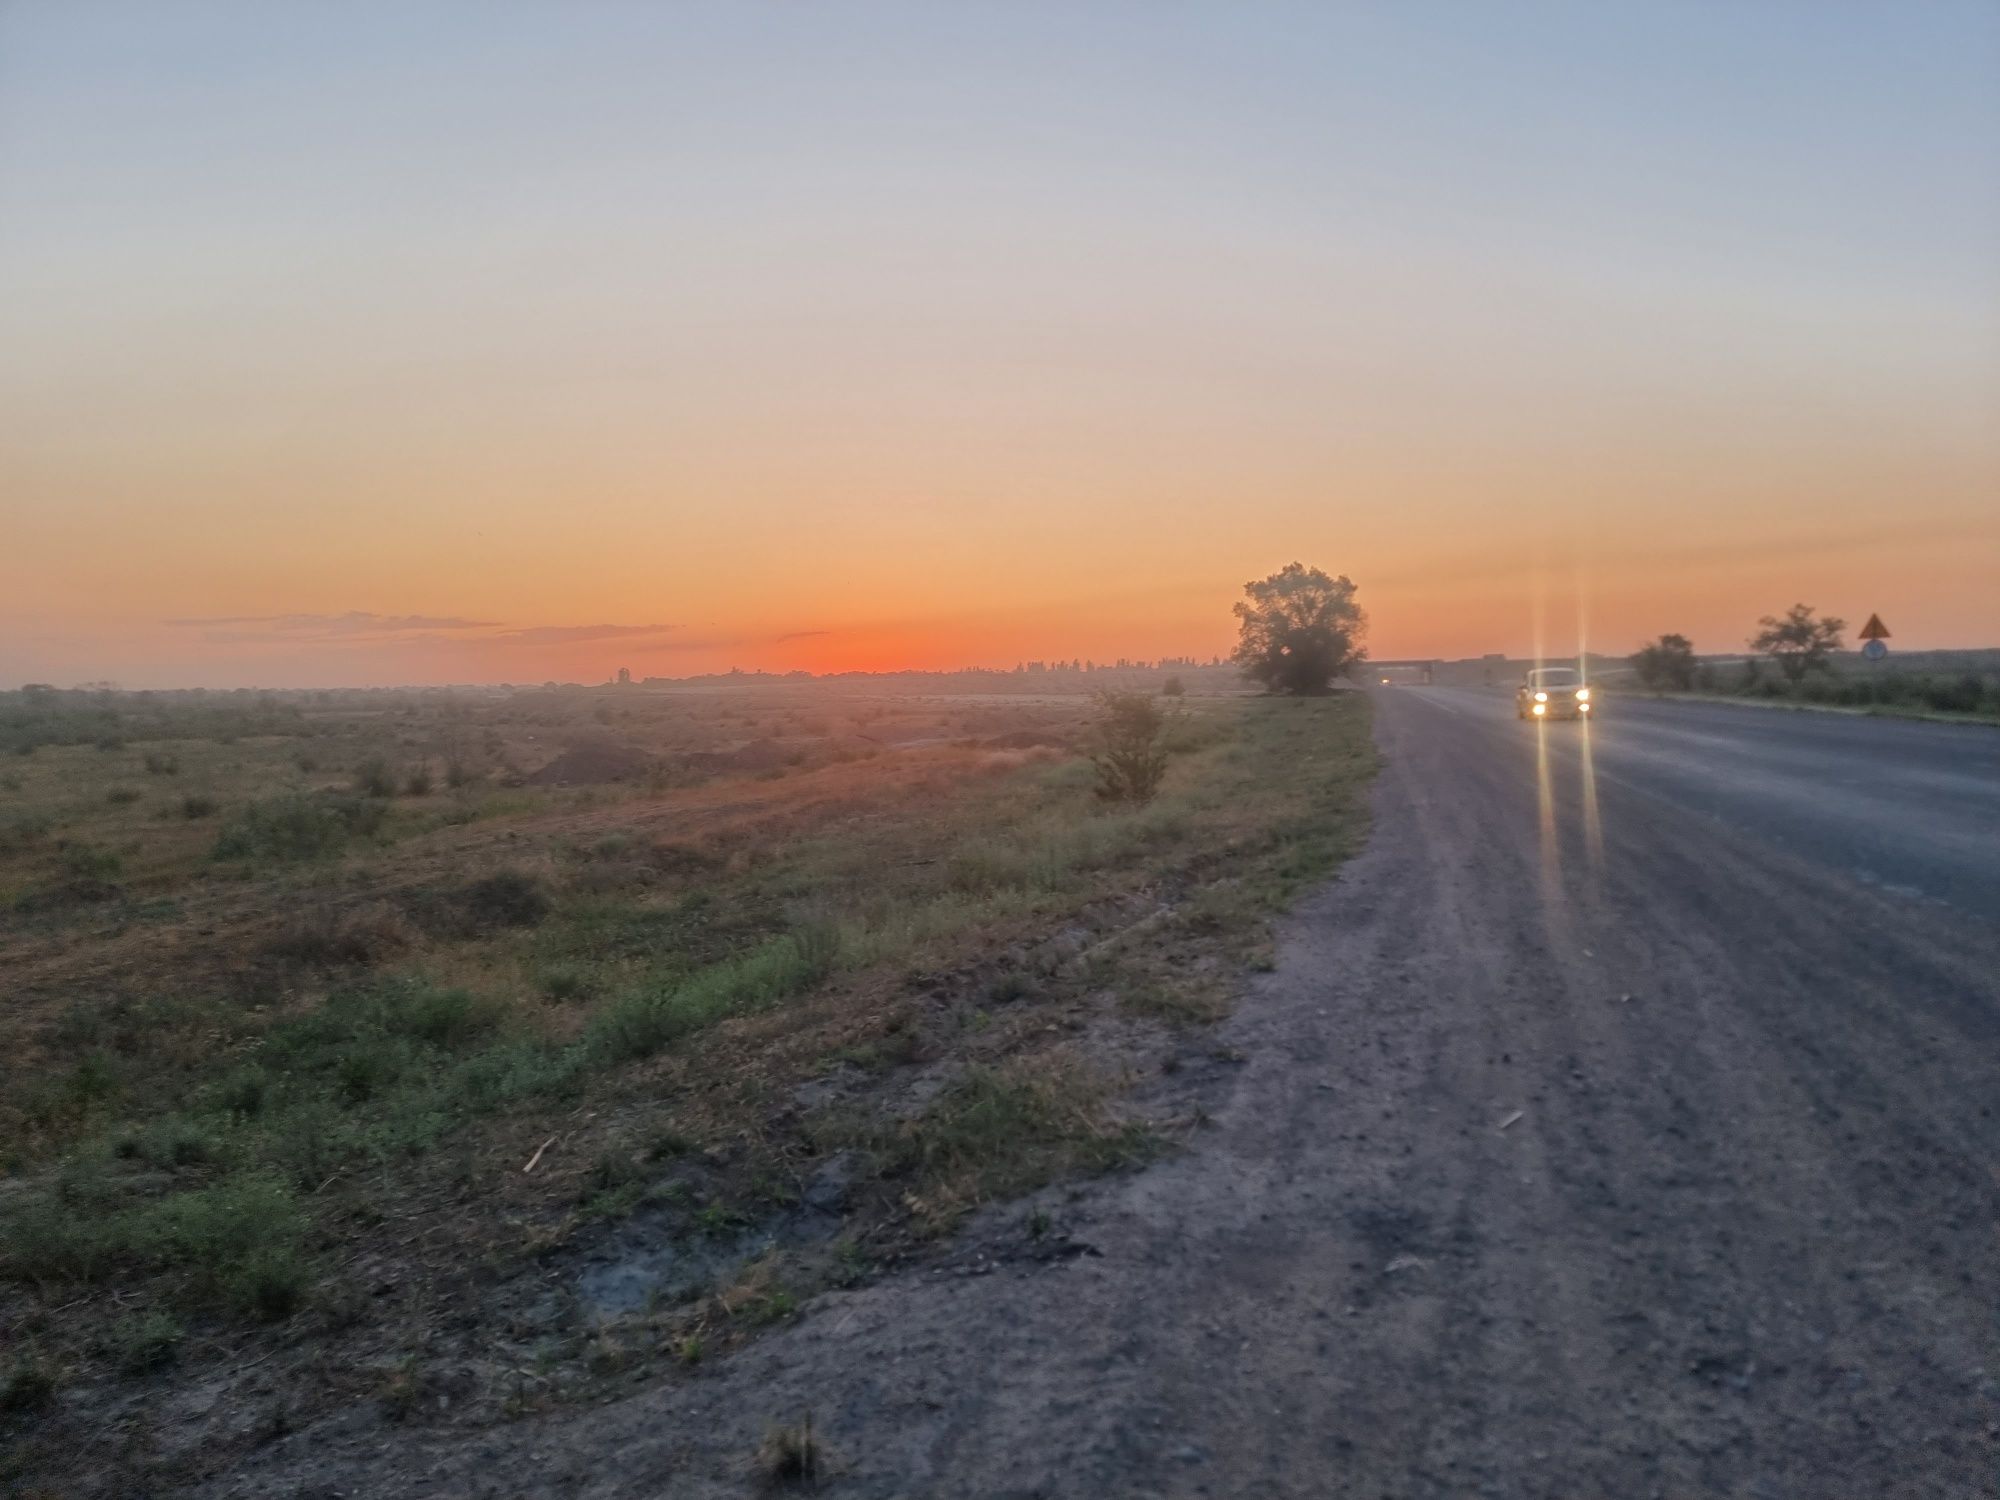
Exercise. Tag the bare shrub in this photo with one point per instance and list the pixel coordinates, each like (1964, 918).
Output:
(349, 939)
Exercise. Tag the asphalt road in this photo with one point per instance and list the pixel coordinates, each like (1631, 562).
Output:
(1620, 1123)
(1900, 803)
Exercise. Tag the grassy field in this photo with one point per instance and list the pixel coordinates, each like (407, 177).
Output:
(322, 1008)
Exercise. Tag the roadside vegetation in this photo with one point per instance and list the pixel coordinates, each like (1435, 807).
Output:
(1798, 658)
(366, 999)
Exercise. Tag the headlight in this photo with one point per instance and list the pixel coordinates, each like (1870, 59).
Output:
(1541, 708)
(1541, 697)
(1583, 695)
(1583, 708)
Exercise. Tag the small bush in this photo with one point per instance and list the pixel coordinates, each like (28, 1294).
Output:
(87, 862)
(25, 829)
(194, 808)
(239, 1236)
(30, 1386)
(122, 796)
(418, 783)
(566, 981)
(373, 778)
(330, 940)
(1173, 687)
(295, 827)
(158, 764)
(506, 898)
(146, 1341)
(1129, 750)
(175, 1143)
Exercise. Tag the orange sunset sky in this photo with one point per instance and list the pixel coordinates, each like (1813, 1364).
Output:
(450, 343)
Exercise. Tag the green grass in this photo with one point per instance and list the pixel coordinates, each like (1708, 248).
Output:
(203, 1136)
(998, 1133)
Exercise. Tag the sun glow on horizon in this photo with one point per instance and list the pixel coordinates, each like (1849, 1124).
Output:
(467, 346)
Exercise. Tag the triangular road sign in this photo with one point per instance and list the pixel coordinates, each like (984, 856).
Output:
(1874, 630)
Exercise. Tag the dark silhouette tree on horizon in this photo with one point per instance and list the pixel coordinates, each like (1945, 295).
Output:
(1798, 642)
(1666, 663)
(1299, 629)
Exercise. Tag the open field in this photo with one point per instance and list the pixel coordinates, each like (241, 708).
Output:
(453, 1056)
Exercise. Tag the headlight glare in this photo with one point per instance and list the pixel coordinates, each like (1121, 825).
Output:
(1583, 695)
(1541, 697)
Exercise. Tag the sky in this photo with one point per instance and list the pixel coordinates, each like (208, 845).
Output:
(392, 343)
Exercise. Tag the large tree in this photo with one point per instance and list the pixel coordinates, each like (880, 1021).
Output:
(1666, 663)
(1798, 641)
(1299, 630)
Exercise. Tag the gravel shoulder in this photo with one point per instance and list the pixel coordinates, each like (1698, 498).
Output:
(1579, 1144)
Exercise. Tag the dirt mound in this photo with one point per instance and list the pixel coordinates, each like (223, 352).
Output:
(594, 762)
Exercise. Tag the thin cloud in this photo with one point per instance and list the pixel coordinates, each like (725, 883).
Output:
(361, 627)
(355, 623)
(562, 635)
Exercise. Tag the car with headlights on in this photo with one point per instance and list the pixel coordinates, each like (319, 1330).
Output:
(1552, 693)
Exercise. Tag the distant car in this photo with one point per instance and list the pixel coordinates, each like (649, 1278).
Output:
(1552, 693)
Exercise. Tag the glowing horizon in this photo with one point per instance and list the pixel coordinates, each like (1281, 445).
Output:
(480, 344)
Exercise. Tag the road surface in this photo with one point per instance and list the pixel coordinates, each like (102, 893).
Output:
(1620, 1123)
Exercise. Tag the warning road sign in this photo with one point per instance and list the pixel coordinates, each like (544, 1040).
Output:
(1874, 630)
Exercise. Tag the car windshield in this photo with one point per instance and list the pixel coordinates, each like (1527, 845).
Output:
(1555, 677)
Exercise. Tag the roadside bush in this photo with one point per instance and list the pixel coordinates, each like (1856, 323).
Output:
(418, 783)
(122, 796)
(158, 764)
(196, 807)
(1128, 747)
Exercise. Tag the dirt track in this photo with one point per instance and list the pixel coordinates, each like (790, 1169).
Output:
(1580, 1146)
